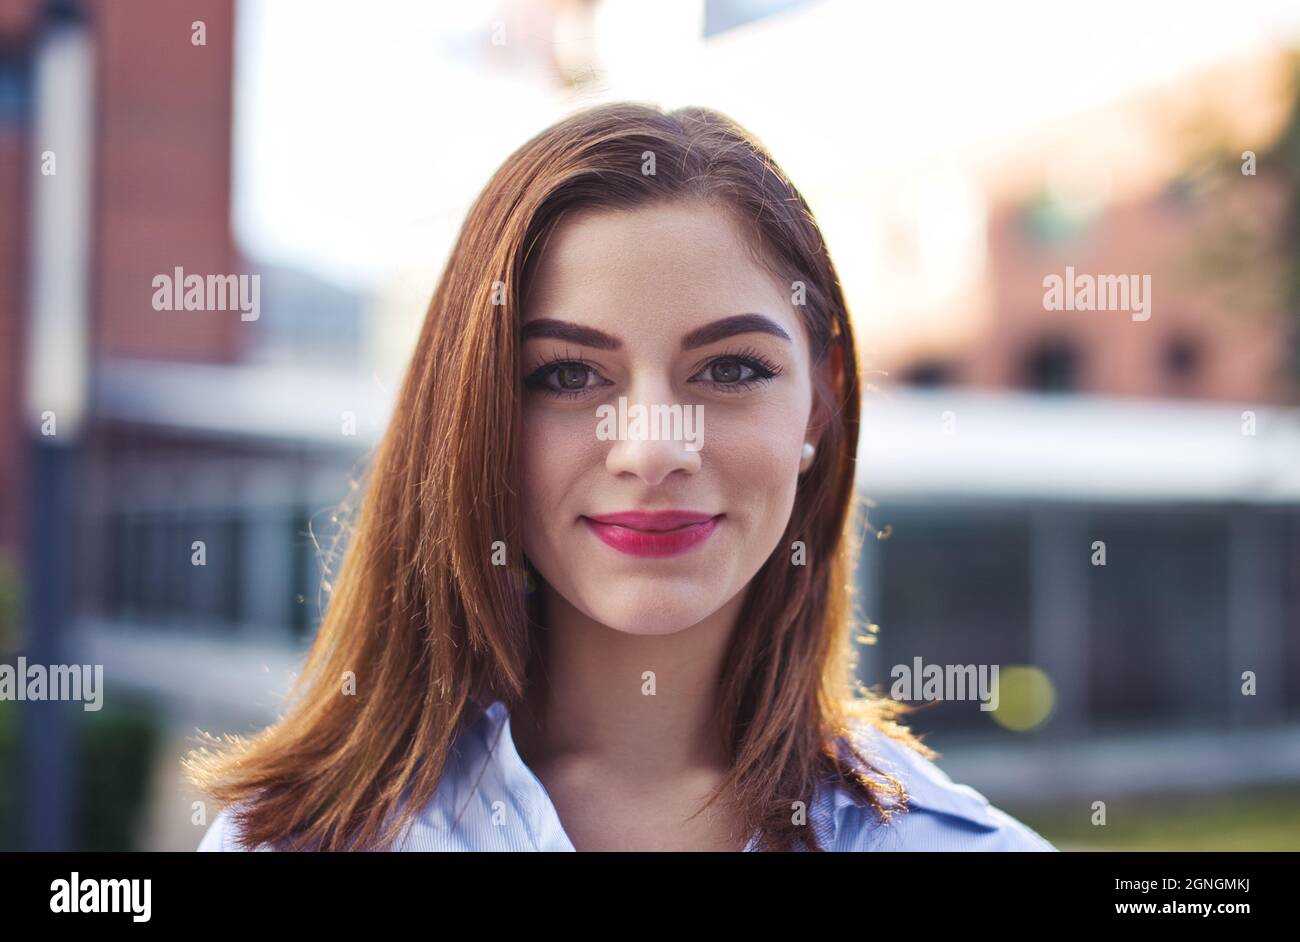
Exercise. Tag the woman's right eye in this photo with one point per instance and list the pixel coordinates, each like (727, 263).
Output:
(564, 378)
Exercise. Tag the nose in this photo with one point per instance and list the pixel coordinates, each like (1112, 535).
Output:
(657, 445)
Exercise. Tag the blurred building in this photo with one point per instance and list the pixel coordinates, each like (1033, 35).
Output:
(1005, 443)
(1136, 563)
(204, 429)
(161, 181)
(236, 440)
(1149, 186)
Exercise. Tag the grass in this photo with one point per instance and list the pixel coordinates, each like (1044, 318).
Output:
(1251, 819)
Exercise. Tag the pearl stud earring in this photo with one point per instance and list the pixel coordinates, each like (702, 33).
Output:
(809, 449)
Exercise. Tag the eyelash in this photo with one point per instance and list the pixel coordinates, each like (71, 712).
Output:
(764, 371)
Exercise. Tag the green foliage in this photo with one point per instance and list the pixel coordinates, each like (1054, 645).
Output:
(10, 777)
(1250, 819)
(116, 747)
(10, 602)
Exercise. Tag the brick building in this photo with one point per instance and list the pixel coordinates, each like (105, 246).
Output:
(160, 187)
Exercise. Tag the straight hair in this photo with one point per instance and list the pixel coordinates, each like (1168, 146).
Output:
(433, 633)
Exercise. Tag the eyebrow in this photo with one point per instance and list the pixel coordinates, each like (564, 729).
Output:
(564, 330)
(546, 327)
(731, 326)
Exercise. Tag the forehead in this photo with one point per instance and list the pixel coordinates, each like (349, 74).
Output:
(676, 264)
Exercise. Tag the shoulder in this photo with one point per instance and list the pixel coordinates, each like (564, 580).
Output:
(940, 814)
(464, 795)
(218, 836)
(222, 833)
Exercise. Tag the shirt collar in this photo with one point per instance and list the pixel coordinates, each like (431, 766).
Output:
(927, 787)
(493, 734)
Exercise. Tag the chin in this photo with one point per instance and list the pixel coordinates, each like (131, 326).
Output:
(655, 610)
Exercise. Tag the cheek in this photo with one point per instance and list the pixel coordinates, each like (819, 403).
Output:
(755, 457)
(556, 447)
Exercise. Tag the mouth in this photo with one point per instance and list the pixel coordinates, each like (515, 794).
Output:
(653, 533)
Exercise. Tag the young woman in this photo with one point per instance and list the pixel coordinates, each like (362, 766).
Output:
(598, 595)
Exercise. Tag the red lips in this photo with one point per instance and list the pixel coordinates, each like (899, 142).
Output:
(653, 533)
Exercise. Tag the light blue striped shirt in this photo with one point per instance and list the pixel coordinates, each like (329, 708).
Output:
(489, 800)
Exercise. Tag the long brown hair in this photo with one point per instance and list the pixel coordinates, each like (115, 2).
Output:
(432, 633)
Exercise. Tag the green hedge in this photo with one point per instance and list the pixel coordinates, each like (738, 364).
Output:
(11, 781)
(116, 748)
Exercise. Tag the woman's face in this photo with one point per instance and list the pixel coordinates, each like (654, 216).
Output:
(649, 527)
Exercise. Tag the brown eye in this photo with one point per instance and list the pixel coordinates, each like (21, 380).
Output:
(572, 377)
(727, 371)
(737, 372)
(565, 378)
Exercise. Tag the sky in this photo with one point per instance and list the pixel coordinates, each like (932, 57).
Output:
(363, 132)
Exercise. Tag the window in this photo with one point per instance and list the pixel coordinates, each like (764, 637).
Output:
(1158, 643)
(15, 86)
(954, 590)
(1182, 359)
(1053, 365)
(929, 373)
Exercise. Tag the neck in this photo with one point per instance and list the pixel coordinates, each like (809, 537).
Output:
(643, 704)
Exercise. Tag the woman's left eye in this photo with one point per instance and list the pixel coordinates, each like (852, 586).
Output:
(735, 372)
